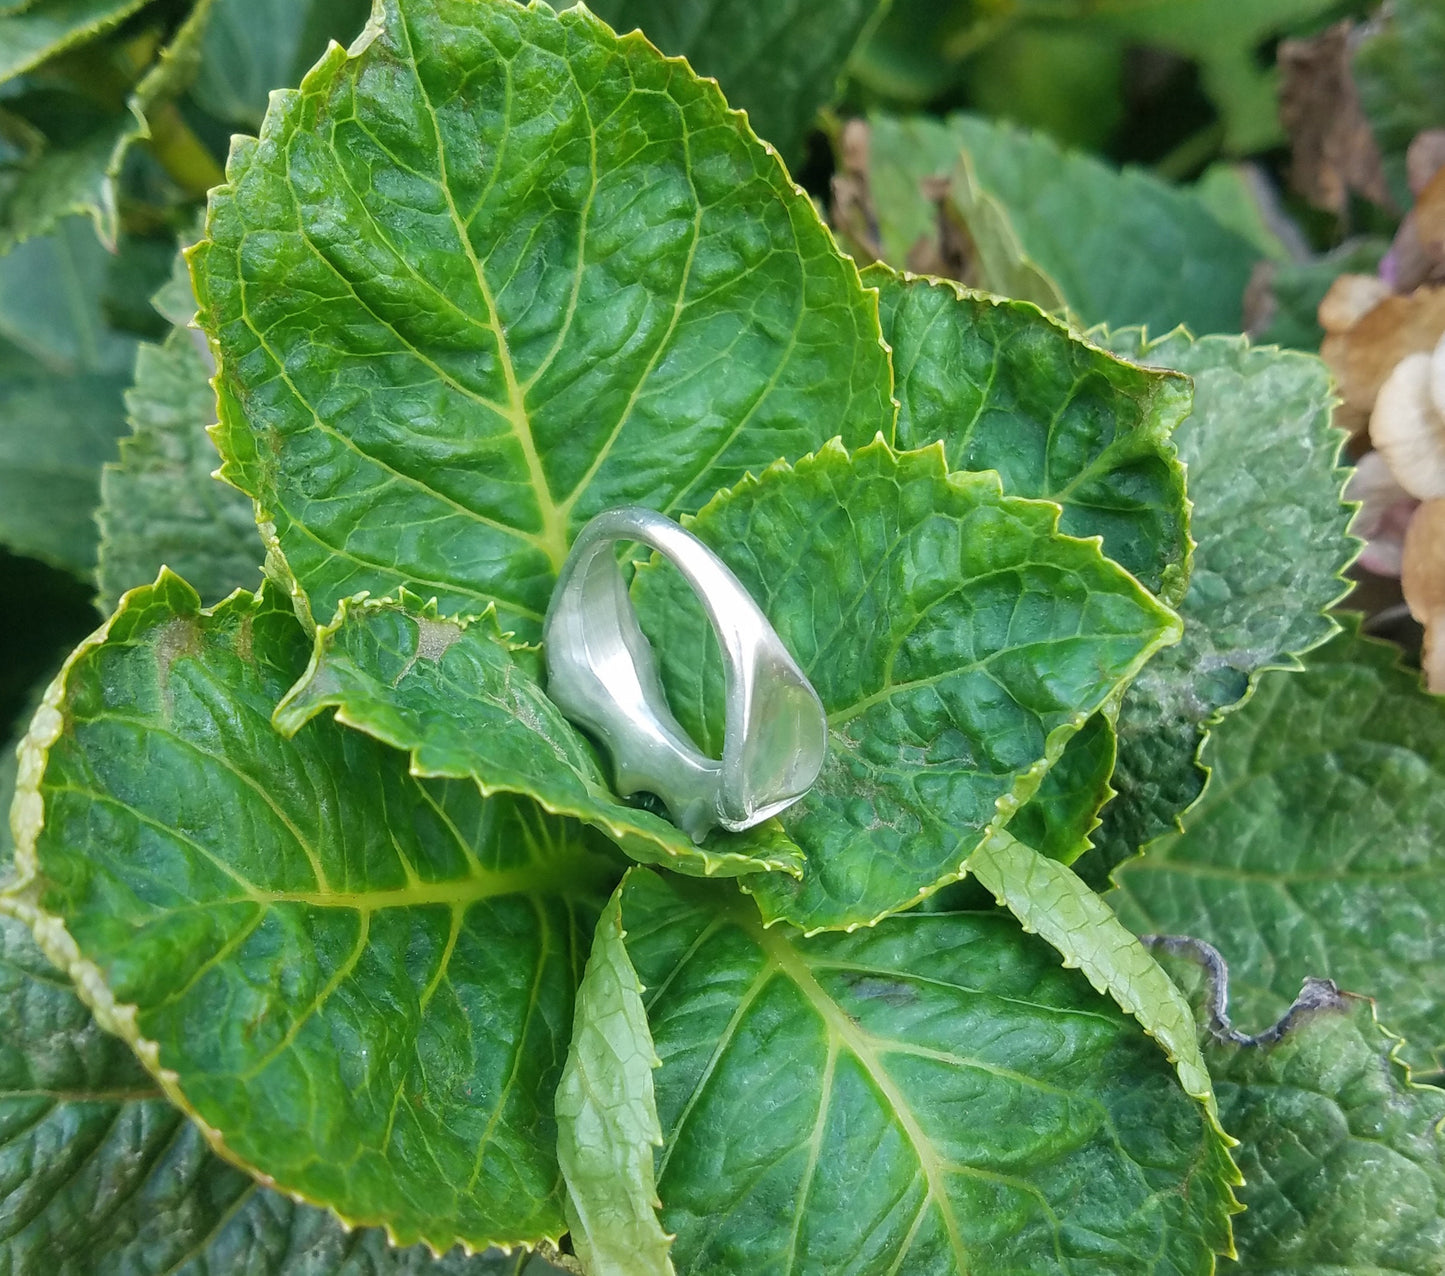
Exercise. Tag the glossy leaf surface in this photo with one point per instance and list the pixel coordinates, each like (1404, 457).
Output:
(1315, 848)
(451, 324)
(102, 1174)
(932, 1095)
(779, 62)
(395, 961)
(469, 705)
(1006, 388)
(955, 638)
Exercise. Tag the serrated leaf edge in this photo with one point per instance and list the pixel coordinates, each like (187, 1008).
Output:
(17, 900)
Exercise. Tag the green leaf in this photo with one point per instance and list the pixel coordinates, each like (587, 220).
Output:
(956, 639)
(1399, 71)
(1006, 388)
(915, 176)
(361, 983)
(1060, 227)
(469, 705)
(452, 325)
(159, 505)
(101, 1174)
(46, 27)
(254, 46)
(1343, 1156)
(62, 372)
(607, 1121)
(1050, 901)
(1058, 820)
(1272, 546)
(1123, 246)
(930, 1094)
(1315, 849)
(780, 62)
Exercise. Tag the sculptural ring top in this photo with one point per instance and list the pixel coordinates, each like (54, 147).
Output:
(602, 674)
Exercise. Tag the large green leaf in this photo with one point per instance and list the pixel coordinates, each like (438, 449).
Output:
(361, 983)
(1117, 247)
(159, 505)
(956, 639)
(1264, 480)
(779, 62)
(1007, 388)
(40, 30)
(607, 1123)
(495, 271)
(1399, 70)
(933, 1094)
(101, 1174)
(1315, 849)
(469, 705)
(62, 372)
(254, 46)
(1343, 1155)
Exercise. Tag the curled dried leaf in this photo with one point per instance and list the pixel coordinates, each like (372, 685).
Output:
(1362, 351)
(1407, 425)
(1423, 579)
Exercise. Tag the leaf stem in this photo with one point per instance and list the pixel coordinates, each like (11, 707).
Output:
(181, 153)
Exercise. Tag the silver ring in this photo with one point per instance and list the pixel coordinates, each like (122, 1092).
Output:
(601, 672)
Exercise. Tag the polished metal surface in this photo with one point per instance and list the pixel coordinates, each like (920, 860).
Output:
(602, 674)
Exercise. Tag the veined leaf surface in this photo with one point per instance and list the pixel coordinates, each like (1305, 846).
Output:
(1343, 1154)
(469, 705)
(607, 1122)
(1315, 849)
(931, 1095)
(1265, 483)
(360, 983)
(452, 324)
(956, 639)
(779, 62)
(102, 1174)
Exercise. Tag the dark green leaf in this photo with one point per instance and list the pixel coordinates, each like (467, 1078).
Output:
(159, 505)
(361, 983)
(607, 1117)
(453, 324)
(956, 639)
(1264, 481)
(62, 372)
(1296, 289)
(1006, 388)
(101, 1174)
(1343, 1156)
(1315, 850)
(1058, 820)
(779, 62)
(469, 705)
(933, 1094)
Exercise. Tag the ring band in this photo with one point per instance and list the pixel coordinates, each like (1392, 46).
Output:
(601, 672)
